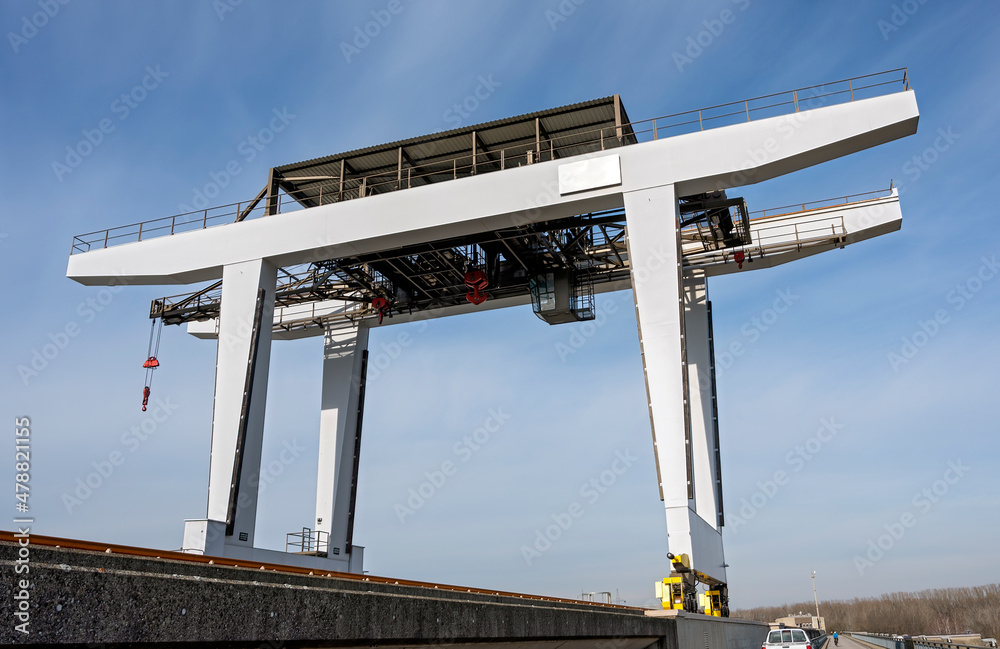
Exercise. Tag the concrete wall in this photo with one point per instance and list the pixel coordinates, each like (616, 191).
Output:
(695, 631)
(80, 597)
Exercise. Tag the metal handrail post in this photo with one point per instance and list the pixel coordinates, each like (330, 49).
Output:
(106, 233)
(701, 125)
(654, 128)
(850, 86)
(204, 221)
(795, 99)
(140, 232)
(746, 104)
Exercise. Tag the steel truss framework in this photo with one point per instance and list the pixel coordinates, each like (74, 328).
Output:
(430, 276)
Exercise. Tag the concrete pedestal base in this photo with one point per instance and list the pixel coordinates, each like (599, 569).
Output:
(209, 538)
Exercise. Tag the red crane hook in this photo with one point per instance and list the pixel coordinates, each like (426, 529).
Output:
(477, 282)
(382, 306)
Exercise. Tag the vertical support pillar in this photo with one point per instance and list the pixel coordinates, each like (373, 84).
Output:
(272, 205)
(653, 222)
(701, 379)
(241, 284)
(618, 119)
(344, 354)
(538, 139)
(715, 421)
(340, 193)
(399, 168)
(474, 156)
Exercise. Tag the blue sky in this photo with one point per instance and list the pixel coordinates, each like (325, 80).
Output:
(216, 72)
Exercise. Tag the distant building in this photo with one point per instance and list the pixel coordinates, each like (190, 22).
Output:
(802, 620)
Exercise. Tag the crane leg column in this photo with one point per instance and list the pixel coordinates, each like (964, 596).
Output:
(345, 350)
(706, 464)
(244, 350)
(653, 222)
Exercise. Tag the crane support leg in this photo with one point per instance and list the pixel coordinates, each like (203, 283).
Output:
(653, 221)
(704, 421)
(239, 408)
(345, 349)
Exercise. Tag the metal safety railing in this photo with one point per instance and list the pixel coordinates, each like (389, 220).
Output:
(788, 228)
(881, 640)
(467, 165)
(920, 643)
(828, 202)
(308, 541)
(794, 235)
(895, 641)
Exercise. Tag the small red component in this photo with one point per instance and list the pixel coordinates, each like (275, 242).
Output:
(477, 282)
(382, 306)
(738, 258)
(145, 398)
(151, 363)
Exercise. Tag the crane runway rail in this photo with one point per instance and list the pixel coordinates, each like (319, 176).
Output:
(127, 550)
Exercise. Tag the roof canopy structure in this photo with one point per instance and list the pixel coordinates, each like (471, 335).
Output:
(544, 135)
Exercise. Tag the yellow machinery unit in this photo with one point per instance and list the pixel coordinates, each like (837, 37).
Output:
(671, 592)
(713, 603)
(679, 590)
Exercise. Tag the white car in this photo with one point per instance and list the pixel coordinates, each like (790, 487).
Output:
(787, 639)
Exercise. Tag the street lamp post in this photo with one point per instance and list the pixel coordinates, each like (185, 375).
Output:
(815, 597)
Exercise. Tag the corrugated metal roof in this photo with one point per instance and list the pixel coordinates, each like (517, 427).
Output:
(562, 132)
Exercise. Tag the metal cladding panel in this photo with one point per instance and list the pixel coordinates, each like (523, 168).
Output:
(709, 558)
(593, 173)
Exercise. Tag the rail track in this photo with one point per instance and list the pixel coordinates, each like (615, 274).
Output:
(127, 550)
